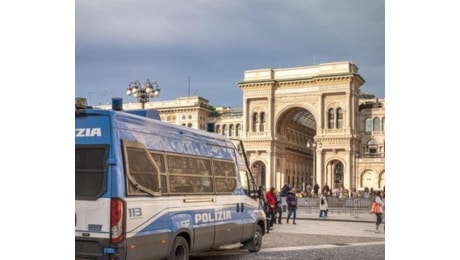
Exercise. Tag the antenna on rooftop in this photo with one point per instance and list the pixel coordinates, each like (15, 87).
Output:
(189, 86)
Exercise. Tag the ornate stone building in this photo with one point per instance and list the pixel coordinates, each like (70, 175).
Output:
(301, 125)
(308, 125)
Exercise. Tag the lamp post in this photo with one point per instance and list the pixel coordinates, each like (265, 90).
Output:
(312, 146)
(143, 93)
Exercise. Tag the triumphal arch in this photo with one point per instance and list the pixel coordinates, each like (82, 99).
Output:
(301, 124)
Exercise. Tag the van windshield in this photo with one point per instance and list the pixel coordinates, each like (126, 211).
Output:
(90, 171)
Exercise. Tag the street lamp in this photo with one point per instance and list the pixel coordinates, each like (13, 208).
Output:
(143, 93)
(312, 146)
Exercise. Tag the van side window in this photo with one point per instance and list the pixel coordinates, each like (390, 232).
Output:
(189, 174)
(141, 172)
(225, 175)
(245, 182)
(160, 162)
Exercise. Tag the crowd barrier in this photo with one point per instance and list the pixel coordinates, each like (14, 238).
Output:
(352, 206)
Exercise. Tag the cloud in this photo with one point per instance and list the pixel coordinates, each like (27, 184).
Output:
(213, 42)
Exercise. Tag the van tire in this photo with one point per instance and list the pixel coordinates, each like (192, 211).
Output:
(255, 243)
(179, 249)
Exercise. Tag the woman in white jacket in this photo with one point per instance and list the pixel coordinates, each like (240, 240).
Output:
(323, 206)
(379, 212)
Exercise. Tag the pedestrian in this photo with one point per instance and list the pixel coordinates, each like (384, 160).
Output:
(279, 210)
(262, 200)
(271, 202)
(315, 190)
(326, 188)
(323, 205)
(291, 201)
(366, 193)
(377, 209)
(284, 190)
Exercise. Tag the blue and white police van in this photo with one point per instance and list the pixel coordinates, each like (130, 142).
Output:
(147, 189)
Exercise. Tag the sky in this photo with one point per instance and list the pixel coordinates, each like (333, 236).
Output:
(202, 47)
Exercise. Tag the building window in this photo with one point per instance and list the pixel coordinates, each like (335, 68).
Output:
(230, 131)
(217, 129)
(262, 122)
(238, 130)
(372, 146)
(368, 125)
(339, 117)
(190, 125)
(254, 122)
(330, 119)
(383, 124)
(376, 124)
(224, 130)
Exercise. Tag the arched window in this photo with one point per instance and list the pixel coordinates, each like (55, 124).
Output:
(224, 130)
(230, 132)
(254, 122)
(368, 125)
(330, 119)
(339, 117)
(372, 146)
(376, 124)
(383, 124)
(238, 130)
(262, 121)
(217, 129)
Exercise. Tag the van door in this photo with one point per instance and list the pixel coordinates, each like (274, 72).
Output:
(92, 210)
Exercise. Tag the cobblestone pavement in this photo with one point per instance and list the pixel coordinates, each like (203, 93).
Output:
(288, 240)
(317, 232)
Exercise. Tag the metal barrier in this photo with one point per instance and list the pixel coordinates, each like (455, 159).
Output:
(352, 206)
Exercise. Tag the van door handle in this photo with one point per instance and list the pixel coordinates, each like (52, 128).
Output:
(237, 207)
(242, 206)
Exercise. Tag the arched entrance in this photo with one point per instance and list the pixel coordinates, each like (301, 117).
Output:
(295, 127)
(259, 170)
(338, 174)
(369, 179)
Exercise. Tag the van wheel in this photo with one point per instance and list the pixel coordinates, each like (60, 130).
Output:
(254, 244)
(179, 249)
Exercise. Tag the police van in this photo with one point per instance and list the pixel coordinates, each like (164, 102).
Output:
(147, 189)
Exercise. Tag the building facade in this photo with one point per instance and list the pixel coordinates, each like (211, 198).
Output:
(302, 126)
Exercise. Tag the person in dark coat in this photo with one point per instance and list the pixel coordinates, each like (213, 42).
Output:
(315, 190)
(291, 201)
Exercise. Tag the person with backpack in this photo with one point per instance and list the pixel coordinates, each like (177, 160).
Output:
(323, 206)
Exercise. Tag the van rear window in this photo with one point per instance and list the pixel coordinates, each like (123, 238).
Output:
(90, 171)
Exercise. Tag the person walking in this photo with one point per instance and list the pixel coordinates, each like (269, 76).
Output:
(291, 201)
(271, 202)
(323, 205)
(377, 209)
(279, 210)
